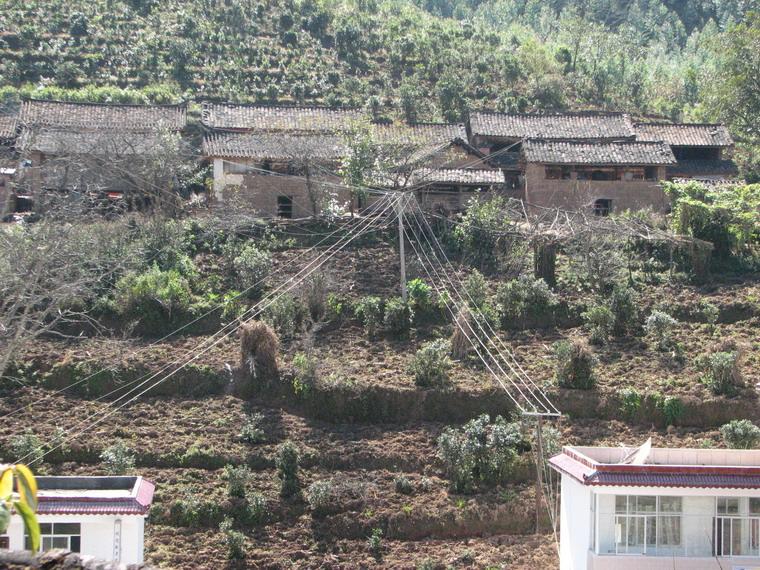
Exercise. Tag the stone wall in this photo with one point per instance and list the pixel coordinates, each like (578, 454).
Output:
(55, 559)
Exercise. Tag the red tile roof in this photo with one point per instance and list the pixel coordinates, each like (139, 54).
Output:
(590, 472)
(76, 501)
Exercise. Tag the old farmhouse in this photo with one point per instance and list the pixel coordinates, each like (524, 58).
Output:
(286, 161)
(94, 150)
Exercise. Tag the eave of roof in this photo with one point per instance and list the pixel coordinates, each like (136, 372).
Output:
(138, 503)
(591, 473)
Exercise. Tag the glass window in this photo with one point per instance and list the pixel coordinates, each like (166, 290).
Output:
(670, 504)
(58, 535)
(669, 531)
(728, 505)
(621, 503)
(754, 506)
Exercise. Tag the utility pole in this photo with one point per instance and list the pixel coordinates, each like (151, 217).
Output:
(400, 213)
(539, 470)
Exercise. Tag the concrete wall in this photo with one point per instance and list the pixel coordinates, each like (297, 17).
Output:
(575, 524)
(98, 535)
(580, 194)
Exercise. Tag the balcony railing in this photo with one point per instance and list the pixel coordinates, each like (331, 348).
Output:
(675, 534)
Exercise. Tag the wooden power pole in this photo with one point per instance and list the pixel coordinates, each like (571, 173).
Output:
(539, 470)
(400, 212)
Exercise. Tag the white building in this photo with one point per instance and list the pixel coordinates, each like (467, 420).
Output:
(653, 509)
(102, 517)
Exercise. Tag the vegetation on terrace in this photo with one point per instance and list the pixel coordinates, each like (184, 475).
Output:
(370, 441)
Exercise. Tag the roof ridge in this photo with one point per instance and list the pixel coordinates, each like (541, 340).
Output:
(182, 105)
(666, 124)
(588, 113)
(289, 107)
(592, 142)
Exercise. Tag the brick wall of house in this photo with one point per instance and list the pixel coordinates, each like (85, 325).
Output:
(579, 194)
(260, 191)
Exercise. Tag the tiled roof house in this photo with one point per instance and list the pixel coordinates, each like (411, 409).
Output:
(52, 127)
(645, 507)
(245, 141)
(701, 149)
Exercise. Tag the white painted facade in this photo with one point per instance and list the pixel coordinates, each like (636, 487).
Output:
(657, 527)
(117, 538)
(593, 537)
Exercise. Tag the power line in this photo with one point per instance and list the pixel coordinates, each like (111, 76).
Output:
(306, 272)
(354, 222)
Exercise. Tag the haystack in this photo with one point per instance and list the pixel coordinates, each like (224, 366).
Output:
(259, 346)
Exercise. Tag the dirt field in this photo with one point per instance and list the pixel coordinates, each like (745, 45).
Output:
(362, 426)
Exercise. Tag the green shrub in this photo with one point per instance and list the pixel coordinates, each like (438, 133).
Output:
(118, 459)
(287, 315)
(740, 434)
(430, 365)
(403, 485)
(709, 312)
(671, 408)
(625, 308)
(27, 448)
(234, 540)
(599, 321)
(156, 299)
(251, 432)
(369, 310)
(481, 451)
(286, 461)
(398, 317)
(660, 325)
(420, 297)
(574, 365)
(238, 477)
(257, 508)
(337, 307)
(476, 289)
(320, 495)
(722, 372)
(525, 298)
(305, 373)
(252, 266)
(630, 402)
(375, 543)
(192, 512)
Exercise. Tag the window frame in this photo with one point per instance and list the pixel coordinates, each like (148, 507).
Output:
(51, 536)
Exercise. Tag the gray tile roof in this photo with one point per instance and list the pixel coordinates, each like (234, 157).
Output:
(70, 142)
(8, 125)
(274, 146)
(562, 126)
(420, 140)
(684, 134)
(465, 176)
(98, 116)
(615, 153)
(233, 116)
